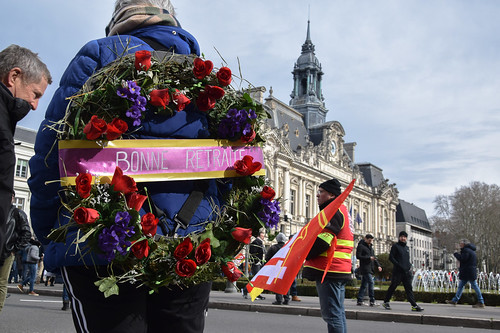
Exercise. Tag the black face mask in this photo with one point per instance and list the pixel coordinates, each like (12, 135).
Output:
(20, 109)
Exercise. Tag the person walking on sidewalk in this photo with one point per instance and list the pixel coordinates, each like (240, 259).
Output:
(401, 272)
(367, 261)
(30, 260)
(467, 272)
(281, 239)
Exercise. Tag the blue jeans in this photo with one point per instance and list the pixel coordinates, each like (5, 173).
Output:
(474, 286)
(366, 281)
(29, 275)
(331, 299)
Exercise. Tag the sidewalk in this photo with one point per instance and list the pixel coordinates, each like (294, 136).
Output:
(433, 314)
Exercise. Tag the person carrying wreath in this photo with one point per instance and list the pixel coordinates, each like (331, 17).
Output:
(135, 25)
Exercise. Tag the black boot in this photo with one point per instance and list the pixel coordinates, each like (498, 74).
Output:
(65, 306)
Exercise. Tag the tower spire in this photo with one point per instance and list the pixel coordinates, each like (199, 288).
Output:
(307, 97)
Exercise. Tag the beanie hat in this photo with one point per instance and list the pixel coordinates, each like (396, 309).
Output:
(403, 233)
(332, 186)
(281, 238)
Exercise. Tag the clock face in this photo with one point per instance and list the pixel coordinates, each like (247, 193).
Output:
(334, 147)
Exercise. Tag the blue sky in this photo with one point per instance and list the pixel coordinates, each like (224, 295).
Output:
(415, 84)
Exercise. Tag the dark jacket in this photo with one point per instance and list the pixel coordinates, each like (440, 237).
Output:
(468, 262)
(168, 196)
(257, 251)
(11, 111)
(400, 257)
(273, 250)
(18, 233)
(363, 252)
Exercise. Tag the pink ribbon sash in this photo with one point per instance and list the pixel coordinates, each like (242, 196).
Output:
(155, 160)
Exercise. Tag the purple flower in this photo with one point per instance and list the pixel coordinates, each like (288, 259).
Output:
(236, 124)
(270, 213)
(115, 239)
(252, 114)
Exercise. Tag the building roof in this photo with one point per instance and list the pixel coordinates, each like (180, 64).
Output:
(409, 213)
(25, 135)
(371, 173)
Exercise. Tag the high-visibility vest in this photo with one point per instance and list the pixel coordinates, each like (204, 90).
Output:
(341, 261)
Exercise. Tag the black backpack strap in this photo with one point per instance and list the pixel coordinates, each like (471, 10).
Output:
(185, 214)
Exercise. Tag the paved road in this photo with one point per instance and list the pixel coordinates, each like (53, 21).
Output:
(434, 314)
(26, 314)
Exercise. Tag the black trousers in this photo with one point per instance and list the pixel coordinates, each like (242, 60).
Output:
(397, 278)
(134, 309)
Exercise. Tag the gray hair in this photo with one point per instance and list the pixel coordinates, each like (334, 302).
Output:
(33, 69)
(163, 4)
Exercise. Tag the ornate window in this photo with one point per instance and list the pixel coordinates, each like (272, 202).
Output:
(22, 168)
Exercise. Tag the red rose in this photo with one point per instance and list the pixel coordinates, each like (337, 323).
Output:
(183, 249)
(215, 92)
(84, 215)
(246, 166)
(224, 76)
(94, 128)
(248, 138)
(185, 267)
(160, 97)
(242, 235)
(180, 100)
(83, 184)
(205, 102)
(140, 249)
(268, 193)
(115, 129)
(124, 184)
(231, 271)
(202, 68)
(203, 252)
(149, 222)
(135, 200)
(142, 60)
(206, 98)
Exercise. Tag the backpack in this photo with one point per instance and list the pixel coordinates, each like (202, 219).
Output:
(32, 254)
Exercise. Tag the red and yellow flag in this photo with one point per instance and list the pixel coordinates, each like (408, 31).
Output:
(278, 274)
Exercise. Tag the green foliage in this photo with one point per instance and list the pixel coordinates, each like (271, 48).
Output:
(383, 260)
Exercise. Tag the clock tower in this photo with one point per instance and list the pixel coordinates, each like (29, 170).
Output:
(307, 97)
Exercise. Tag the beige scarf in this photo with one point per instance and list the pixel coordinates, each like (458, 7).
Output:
(134, 17)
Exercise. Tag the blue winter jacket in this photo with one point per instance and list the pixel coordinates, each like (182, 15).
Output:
(46, 209)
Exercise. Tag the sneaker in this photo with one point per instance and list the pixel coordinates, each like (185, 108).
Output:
(451, 302)
(478, 306)
(20, 287)
(296, 299)
(32, 293)
(386, 306)
(359, 303)
(260, 297)
(417, 308)
(277, 303)
(374, 304)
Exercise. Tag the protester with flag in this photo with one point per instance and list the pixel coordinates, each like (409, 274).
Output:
(329, 260)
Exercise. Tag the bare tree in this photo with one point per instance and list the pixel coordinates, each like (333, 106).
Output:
(471, 212)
